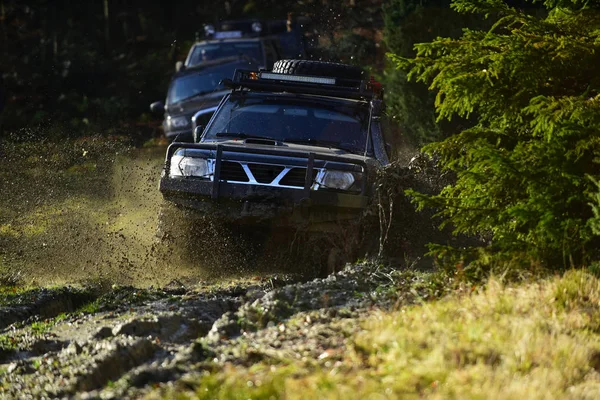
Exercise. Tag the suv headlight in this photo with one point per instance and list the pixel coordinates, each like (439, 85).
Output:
(178, 122)
(189, 166)
(338, 179)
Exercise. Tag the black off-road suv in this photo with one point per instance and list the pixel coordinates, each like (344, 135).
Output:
(296, 146)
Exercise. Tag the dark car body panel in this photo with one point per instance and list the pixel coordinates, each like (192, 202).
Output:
(188, 108)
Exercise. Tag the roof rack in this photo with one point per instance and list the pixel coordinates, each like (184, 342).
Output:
(318, 85)
(233, 29)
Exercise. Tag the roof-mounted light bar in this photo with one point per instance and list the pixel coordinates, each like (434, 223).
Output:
(297, 78)
(209, 29)
(318, 85)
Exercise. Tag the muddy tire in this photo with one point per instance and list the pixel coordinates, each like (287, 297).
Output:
(196, 240)
(345, 246)
(313, 253)
(318, 68)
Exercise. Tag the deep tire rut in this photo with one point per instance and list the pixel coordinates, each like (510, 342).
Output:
(43, 303)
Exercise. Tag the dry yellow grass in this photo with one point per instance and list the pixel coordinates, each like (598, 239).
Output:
(534, 341)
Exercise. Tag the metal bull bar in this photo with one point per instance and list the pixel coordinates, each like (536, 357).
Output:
(220, 148)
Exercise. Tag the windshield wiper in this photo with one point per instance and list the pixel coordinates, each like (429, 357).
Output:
(242, 135)
(317, 142)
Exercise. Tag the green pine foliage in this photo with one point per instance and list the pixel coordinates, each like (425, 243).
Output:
(526, 170)
(407, 22)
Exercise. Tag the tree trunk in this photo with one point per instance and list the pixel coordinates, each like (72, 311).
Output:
(106, 26)
(3, 16)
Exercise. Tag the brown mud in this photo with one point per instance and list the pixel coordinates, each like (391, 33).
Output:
(93, 305)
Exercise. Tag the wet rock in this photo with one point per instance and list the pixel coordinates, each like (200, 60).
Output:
(11, 368)
(103, 333)
(74, 349)
(224, 328)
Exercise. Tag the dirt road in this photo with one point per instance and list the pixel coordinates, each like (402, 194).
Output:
(124, 342)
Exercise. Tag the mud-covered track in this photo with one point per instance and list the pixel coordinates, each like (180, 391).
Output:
(127, 341)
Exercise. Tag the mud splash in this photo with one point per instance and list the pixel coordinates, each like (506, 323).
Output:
(84, 212)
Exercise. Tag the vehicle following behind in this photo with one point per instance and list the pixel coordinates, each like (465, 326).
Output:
(248, 38)
(196, 89)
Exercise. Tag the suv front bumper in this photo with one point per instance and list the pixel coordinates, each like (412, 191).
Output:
(252, 202)
(243, 201)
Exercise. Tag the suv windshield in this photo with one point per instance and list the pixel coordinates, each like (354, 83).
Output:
(323, 123)
(215, 51)
(196, 84)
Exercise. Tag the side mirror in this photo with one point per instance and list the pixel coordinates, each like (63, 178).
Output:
(198, 133)
(157, 107)
(179, 66)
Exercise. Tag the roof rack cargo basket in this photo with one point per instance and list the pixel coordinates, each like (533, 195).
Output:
(317, 85)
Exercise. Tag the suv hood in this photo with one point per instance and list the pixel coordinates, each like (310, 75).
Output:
(294, 146)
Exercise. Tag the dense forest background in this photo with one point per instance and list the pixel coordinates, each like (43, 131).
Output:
(71, 66)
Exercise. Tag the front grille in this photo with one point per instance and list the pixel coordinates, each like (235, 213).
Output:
(232, 171)
(264, 173)
(296, 177)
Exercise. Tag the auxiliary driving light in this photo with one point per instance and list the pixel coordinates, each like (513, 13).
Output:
(256, 27)
(209, 29)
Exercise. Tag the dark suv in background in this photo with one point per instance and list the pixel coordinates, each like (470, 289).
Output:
(196, 89)
(264, 41)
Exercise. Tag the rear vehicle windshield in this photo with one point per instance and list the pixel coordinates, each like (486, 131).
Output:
(215, 51)
(329, 124)
(197, 84)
